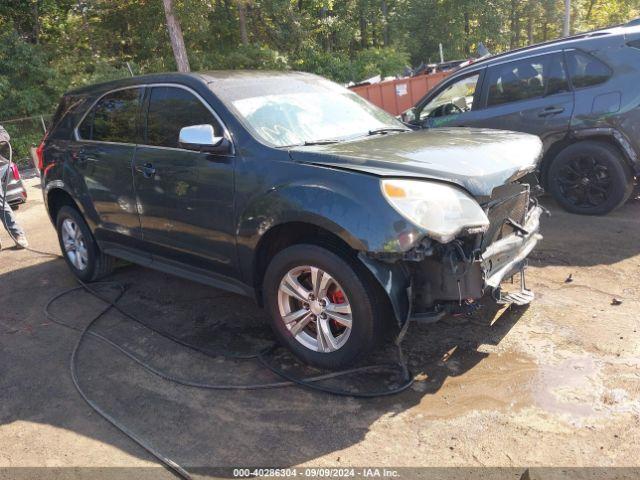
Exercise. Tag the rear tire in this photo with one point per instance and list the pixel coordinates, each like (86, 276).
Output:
(79, 248)
(590, 178)
(318, 335)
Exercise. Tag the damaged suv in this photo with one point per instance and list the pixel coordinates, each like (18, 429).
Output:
(290, 189)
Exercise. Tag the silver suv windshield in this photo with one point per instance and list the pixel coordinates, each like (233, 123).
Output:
(307, 110)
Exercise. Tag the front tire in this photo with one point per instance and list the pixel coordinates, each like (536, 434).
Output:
(590, 178)
(79, 248)
(323, 306)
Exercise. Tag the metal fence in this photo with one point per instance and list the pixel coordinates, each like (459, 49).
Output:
(25, 133)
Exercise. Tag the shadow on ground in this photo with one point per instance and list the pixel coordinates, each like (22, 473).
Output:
(198, 427)
(579, 240)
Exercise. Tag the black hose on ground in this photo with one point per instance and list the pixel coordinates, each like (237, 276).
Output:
(289, 380)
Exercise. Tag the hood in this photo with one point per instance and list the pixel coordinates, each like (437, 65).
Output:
(476, 159)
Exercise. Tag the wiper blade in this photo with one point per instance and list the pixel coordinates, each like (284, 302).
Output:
(383, 130)
(325, 141)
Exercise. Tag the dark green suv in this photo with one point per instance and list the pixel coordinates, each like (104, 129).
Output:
(578, 94)
(290, 189)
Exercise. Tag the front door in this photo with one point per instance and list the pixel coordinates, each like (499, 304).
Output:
(103, 155)
(530, 95)
(184, 198)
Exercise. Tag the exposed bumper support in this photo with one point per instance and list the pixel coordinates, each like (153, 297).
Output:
(507, 256)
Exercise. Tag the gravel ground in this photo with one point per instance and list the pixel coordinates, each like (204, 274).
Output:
(553, 385)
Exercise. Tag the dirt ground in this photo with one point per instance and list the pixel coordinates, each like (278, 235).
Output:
(557, 384)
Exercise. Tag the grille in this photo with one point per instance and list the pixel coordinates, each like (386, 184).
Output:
(508, 201)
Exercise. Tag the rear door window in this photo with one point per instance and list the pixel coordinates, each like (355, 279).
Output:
(114, 118)
(171, 109)
(585, 70)
(526, 79)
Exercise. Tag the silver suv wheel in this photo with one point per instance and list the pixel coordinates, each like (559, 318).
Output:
(74, 244)
(315, 309)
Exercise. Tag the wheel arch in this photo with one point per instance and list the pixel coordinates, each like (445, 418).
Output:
(284, 235)
(56, 198)
(608, 136)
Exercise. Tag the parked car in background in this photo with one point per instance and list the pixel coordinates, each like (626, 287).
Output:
(579, 94)
(292, 190)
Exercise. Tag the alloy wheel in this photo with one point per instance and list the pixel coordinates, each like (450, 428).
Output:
(315, 309)
(74, 244)
(585, 182)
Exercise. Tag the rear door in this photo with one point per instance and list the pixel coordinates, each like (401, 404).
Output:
(102, 155)
(185, 198)
(530, 95)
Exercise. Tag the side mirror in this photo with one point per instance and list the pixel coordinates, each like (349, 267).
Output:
(201, 138)
(408, 116)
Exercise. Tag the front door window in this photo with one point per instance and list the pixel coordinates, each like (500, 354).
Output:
(457, 98)
(171, 109)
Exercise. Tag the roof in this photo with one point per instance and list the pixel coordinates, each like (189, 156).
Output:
(193, 77)
(610, 31)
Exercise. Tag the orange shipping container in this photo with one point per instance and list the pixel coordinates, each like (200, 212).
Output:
(396, 96)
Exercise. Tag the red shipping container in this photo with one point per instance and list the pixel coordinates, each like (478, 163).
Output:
(396, 96)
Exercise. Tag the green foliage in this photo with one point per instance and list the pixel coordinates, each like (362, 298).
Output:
(341, 68)
(379, 61)
(242, 57)
(336, 66)
(27, 82)
(49, 46)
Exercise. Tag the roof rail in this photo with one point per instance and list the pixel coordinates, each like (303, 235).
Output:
(577, 36)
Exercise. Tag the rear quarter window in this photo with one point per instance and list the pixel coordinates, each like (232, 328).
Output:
(66, 115)
(585, 70)
(114, 118)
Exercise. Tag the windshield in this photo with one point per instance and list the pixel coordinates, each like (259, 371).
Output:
(306, 117)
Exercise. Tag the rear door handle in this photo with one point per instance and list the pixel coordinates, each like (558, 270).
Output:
(147, 170)
(84, 156)
(551, 111)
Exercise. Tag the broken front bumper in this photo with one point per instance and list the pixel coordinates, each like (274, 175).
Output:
(449, 277)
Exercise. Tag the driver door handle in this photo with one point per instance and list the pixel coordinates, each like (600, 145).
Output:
(148, 170)
(551, 111)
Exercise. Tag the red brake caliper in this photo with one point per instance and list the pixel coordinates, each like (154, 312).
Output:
(336, 296)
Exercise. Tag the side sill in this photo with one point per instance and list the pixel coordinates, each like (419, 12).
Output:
(180, 270)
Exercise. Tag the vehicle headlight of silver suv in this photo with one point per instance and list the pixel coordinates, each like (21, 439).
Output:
(444, 211)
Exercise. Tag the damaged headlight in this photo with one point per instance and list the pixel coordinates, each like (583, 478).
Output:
(444, 211)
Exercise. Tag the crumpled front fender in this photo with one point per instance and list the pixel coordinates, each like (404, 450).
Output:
(396, 281)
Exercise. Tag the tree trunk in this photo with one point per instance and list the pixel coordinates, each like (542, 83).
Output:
(385, 23)
(590, 9)
(567, 18)
(36, 22)
(242, 20)
(530, 13)
(467, 34)
(363, 31)
(175, 34)
(513, 14)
